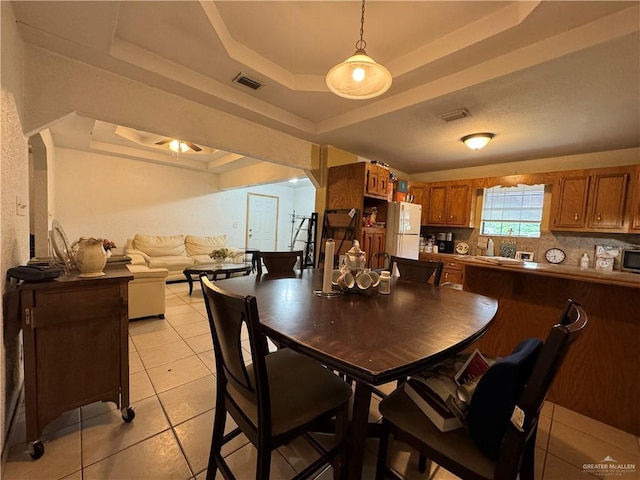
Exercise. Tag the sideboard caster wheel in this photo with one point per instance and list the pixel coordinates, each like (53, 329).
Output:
(128, 414)
(36, 449)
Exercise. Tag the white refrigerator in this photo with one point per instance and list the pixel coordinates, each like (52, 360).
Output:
(403, 229)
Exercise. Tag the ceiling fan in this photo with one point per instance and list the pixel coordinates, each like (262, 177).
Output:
(177, 146)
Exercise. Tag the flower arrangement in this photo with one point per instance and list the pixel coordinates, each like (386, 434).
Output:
(220, 254)
(108, 244)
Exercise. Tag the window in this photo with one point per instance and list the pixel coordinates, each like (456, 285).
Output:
(515, 211)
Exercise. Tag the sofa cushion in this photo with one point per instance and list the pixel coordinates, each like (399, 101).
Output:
(172, 263)
(204, 245)
(158, 246)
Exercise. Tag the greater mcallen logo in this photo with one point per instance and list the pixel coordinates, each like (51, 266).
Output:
(609, 466)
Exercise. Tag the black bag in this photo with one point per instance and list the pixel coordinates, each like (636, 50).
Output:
(33, 273)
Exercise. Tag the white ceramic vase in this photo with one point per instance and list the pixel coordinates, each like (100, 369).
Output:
(90, 257)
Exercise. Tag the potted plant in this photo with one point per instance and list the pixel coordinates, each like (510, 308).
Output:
(220, 255)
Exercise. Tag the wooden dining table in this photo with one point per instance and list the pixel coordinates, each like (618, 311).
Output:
(370, 337)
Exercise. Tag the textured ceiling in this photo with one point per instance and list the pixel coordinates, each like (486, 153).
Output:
(548, 78)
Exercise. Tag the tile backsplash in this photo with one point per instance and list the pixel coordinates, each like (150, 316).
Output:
(572, 243)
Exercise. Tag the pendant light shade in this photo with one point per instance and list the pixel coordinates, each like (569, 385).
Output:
(476, 141)
(359, 77)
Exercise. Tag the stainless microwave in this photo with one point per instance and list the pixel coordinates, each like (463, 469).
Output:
(630, 261)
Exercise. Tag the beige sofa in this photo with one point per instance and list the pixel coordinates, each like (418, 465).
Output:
(146, 291)
(176, 252)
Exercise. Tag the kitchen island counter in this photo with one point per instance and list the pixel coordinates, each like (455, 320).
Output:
(623, 279)
(599, 375)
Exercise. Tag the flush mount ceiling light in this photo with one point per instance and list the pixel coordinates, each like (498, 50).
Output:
(359, 77)
(476, 141)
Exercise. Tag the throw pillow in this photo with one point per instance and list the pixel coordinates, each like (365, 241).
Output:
(204, 245)
(159, 245)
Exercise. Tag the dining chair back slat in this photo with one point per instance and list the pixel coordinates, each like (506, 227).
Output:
(458, 451)
(277, 263)
(274, 397)
(417, 270)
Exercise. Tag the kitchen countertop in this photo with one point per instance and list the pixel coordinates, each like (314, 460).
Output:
(624, 279)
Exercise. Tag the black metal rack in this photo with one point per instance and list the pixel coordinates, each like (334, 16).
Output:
(342, 226)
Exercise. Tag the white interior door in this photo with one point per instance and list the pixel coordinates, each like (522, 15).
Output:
(262, 222)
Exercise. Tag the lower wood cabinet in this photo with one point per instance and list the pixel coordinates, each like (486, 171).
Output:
(75, 334)
(374, 240)
(452, 272)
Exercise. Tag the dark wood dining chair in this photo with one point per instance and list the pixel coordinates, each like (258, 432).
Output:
(274, 399)
(417, 270)
(462, 451)
(278, 263)
(379, 260)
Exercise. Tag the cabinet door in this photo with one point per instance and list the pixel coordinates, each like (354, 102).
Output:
(607, 201)
(635, 202)
(379, 240)
(383, 180)
(571, 202)
(367, 241)
(452, 276)
(436, 214)
(420, 197)
(458, 205)
(372, 180)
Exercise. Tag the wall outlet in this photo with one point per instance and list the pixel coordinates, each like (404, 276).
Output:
(21, 208)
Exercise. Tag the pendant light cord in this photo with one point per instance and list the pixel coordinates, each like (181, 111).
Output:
(361, 44)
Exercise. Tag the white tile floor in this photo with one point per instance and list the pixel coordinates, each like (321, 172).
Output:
(173, 393)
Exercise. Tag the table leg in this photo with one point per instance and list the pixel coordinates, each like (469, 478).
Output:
(358, 430)
(190, 280)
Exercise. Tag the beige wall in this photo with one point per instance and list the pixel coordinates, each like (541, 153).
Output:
(110, 197)
(14, 182)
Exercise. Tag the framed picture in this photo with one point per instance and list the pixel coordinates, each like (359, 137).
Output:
(526, 256)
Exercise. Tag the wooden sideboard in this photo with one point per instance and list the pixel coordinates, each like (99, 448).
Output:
(75, 334)
(599, 375)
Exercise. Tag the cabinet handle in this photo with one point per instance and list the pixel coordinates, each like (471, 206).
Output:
(599, 217)
(451, 216)
(575, 217)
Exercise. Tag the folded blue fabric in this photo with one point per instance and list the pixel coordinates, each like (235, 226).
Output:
(497, 393)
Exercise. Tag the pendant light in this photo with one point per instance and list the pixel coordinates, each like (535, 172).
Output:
(476, 141)
(359, 77)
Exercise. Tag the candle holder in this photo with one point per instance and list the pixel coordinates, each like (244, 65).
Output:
(331, 294)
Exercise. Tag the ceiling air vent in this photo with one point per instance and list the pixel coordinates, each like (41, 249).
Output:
(242, 79)
(455, 115)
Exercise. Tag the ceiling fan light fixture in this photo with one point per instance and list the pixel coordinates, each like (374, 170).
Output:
(476, 141)
(178, 146)
(359, 77)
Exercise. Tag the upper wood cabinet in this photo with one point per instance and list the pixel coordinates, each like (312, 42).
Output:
(449, 204)
(419, 192)
(634, 207)
(444, 203)
(377, 178)
(591, 200)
